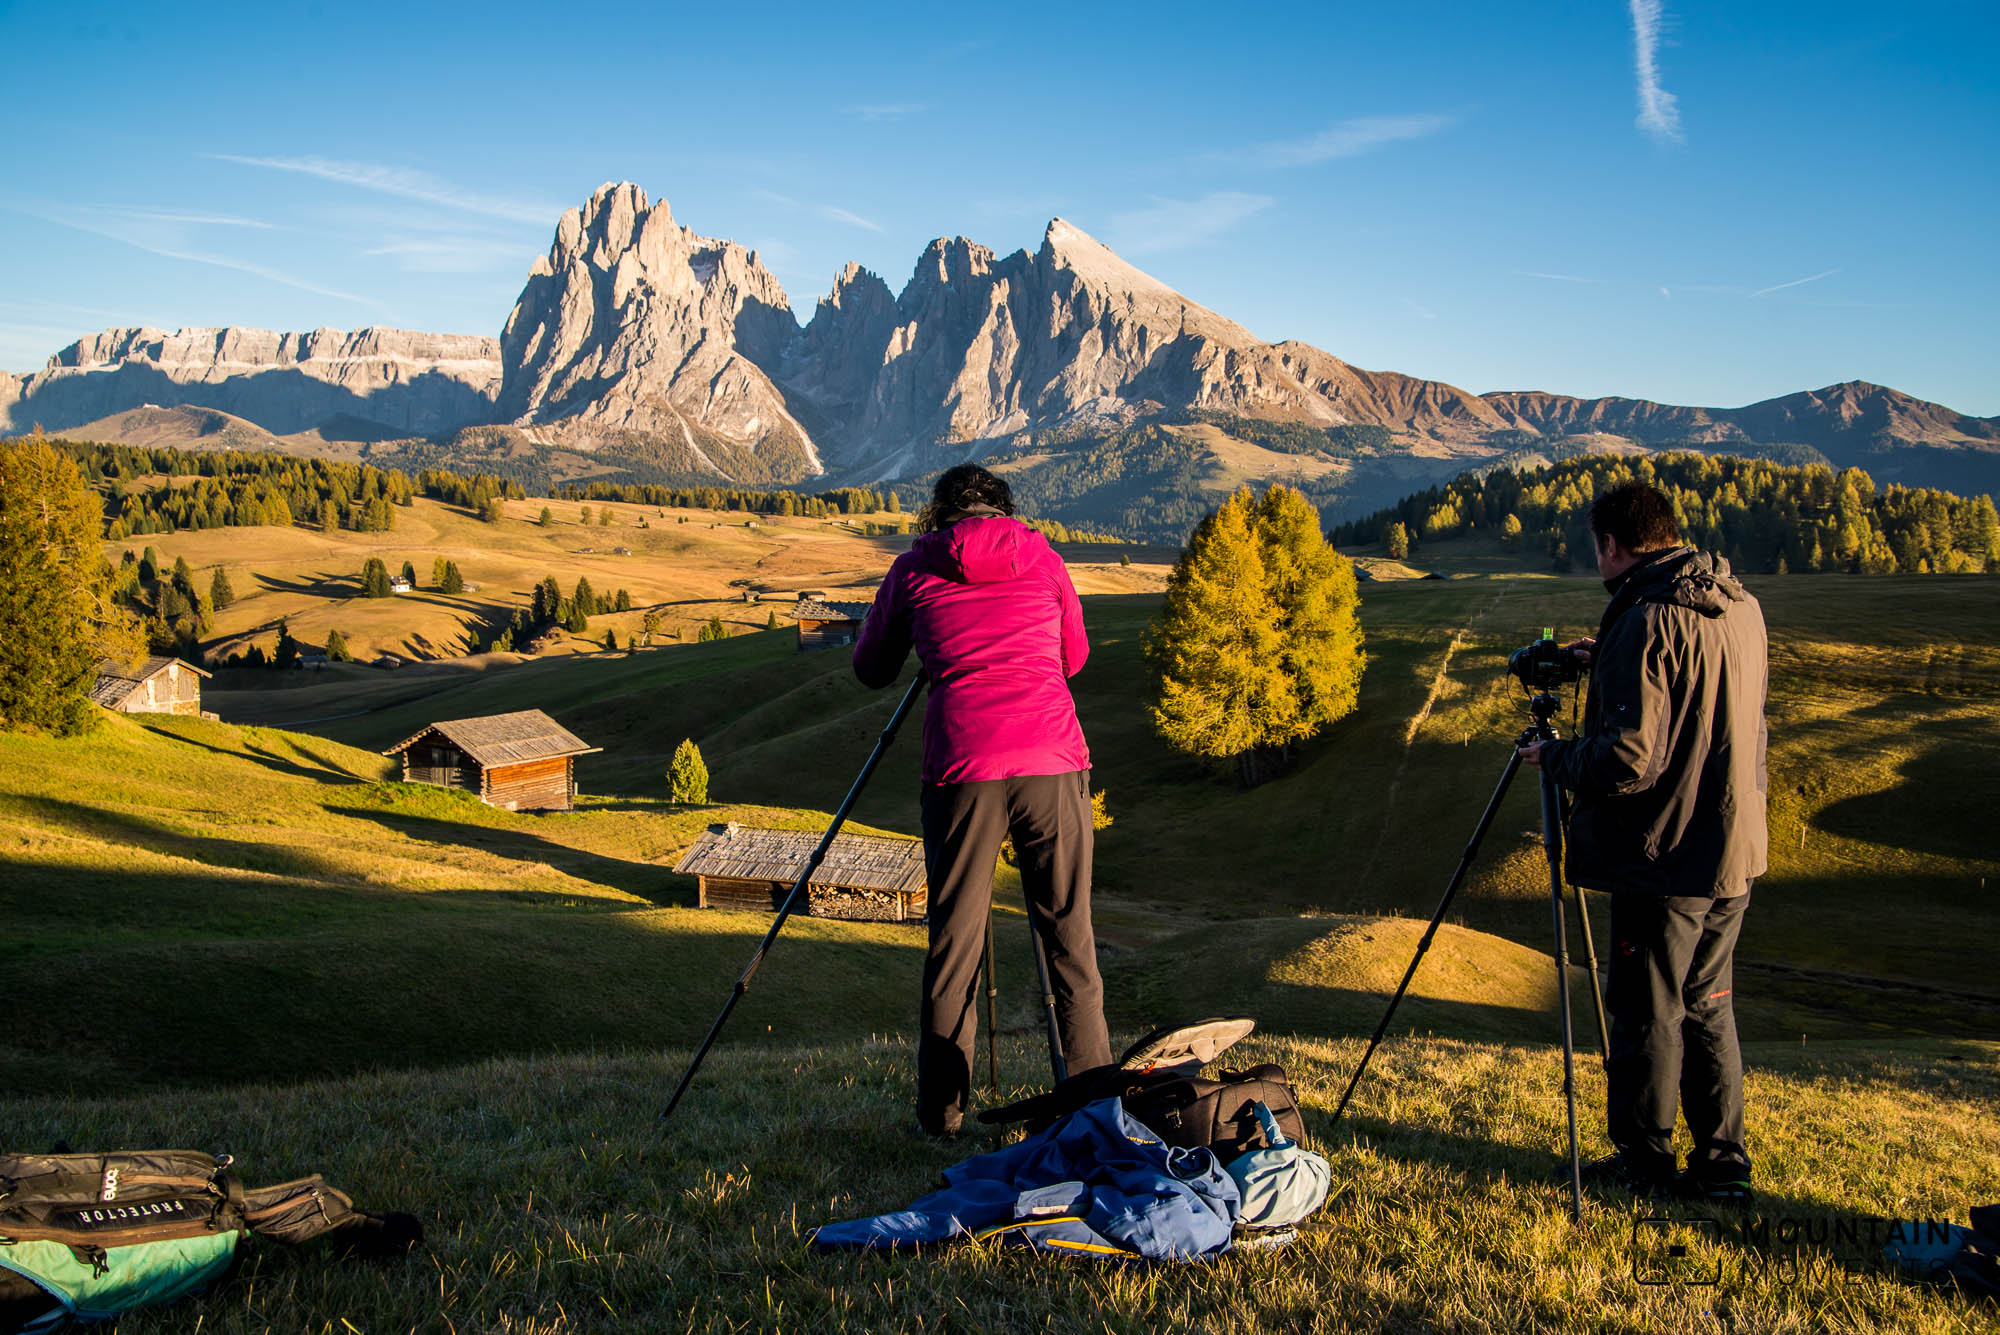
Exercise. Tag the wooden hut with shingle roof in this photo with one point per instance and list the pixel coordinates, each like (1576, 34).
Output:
(828, 625)
(156, 686)
(866, 877)
(520, 762)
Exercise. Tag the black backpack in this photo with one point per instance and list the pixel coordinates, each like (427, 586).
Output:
(1159, 1081)
(87, 1237)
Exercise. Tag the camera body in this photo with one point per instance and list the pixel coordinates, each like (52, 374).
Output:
(1545, 665)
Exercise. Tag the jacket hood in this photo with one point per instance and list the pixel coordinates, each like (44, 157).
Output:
(1687, 578)
(985, 547)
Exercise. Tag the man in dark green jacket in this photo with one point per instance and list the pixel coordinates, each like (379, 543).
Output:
(1669, 782)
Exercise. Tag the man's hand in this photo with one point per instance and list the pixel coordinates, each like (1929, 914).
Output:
(1582, 648)
(1531, 754)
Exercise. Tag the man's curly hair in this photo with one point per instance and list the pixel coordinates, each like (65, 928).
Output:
(959, 489)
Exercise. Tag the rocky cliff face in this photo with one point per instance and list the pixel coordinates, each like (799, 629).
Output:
(410, 383)
(634, 329)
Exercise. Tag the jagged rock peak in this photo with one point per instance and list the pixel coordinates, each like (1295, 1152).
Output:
(235, 347)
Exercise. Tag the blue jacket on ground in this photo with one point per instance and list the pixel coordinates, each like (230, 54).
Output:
(1097, 1182)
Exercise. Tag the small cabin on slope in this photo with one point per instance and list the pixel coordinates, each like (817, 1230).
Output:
(825, 625)
(156, 686)
(865, 878)
(519, 762)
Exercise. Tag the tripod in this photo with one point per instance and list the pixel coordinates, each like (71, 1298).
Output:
(1542, 708)
(792, 899)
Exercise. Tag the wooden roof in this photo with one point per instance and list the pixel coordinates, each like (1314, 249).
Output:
(506, 739)
(855, 862)
(115, 681)
(819, 609)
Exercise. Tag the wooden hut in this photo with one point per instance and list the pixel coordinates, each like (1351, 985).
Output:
(520, 762)
(866, 878)
(156, 686)
(827, 625)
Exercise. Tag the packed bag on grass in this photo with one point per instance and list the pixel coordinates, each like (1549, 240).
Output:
(89, 1237)
(1159, 1081)
(1281, 1184)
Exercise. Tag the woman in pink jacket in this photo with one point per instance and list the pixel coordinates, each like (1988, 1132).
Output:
(989, 608)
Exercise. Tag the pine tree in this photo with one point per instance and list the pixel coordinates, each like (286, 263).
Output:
(288, 648)
(604, 517)
(687, 776)
(220, 594)
(1216, 643)
(453, 581)
(57, 617)
(585, 597)
(438, 563)
(895, 506)
(651, 625)
(374, 578)
(578, 620)
(492, 511)
(548, 518)
(409, 574)
(336, 648)
(1258, 646)
(622, 603)
(610, 640)
(1396, 538)
(771, 620)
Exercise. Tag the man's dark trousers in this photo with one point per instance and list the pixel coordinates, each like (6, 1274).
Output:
(964, 824)
(1673, 1032)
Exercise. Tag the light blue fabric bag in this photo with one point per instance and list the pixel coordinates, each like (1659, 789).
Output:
(1282, 1184)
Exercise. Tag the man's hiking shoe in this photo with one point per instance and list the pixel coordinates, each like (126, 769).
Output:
(1615, 1173)
(1716, 1190)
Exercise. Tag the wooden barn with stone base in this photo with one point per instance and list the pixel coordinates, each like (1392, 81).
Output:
(825, 625)
(520, 762)
(156, 686)
(865, 878)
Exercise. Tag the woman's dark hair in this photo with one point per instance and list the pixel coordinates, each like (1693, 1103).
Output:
(959, 489)
(1639, 516)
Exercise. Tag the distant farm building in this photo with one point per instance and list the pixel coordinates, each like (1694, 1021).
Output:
(519, 762)
(397, 584)
(865, 878)
(826, 625)
(156, 686)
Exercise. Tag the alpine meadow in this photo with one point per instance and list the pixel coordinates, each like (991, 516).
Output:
(820, 692)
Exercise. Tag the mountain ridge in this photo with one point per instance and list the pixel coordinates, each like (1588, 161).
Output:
(663, 350)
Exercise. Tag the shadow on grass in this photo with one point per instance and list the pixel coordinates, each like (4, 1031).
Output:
(1940, 806)
(213, 984)
(270, 759)
(650, 881)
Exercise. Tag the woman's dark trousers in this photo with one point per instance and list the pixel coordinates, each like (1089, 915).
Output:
(1048, 816)
(1673, 1034)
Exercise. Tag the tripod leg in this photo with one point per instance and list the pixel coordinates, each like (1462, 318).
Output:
(1457, 879)
(1552, 831)
(1057, 1066)
(1589, 938)
(798, 888)
(992, 1033)
(1596, 983)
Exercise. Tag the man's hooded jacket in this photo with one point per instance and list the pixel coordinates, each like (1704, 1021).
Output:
(1669, 772)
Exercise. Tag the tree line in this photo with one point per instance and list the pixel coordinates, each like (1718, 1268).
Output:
(1763, 516)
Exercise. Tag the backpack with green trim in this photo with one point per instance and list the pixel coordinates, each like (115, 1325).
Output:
(88, 1237)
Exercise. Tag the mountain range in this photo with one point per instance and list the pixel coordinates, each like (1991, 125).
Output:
(642, 349)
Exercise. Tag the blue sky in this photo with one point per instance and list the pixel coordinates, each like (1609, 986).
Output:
(1707, 203)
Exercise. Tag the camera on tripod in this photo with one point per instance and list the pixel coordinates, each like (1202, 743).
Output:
(1546, 665)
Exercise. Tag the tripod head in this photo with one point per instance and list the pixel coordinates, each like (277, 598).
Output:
(1542, 707)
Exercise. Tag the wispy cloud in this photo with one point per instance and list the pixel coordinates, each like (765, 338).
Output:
(404, 183)
(450, 255)
(1796, 282)
(1555, 277)
(1172, 223)
(885, 111)
(1424, 311)
(830, 212)
(1667, 294)
(1348, 139)
(1659, 110)
(217, 261)
(187, 219)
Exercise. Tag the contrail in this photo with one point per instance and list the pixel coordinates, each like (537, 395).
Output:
(1659, 110)
(1779, 287)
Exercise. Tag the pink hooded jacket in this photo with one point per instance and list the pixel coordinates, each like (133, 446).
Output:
(991, 612)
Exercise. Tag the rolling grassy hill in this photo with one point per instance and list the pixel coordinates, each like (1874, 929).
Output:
(688, 565)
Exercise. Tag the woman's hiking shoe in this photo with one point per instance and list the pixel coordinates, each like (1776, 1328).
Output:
(1616, 1173)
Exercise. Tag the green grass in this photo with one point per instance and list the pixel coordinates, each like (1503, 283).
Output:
(556, 1201)
(261, 945)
